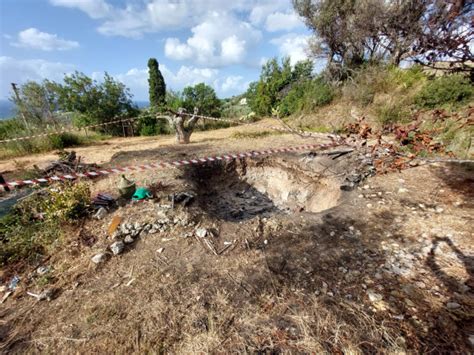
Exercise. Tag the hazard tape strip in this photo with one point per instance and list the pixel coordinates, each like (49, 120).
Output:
(64, 130)
(163, 165)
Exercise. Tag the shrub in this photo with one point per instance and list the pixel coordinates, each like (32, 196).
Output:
(34, 226)
(306, 96)
(64, 140)
(445, 90)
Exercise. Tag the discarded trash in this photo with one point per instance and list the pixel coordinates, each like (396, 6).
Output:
(103, 200)
(14, 282)
(126, 187)
(160, 250)
(141, 193)
(114, 224)
(185, 198)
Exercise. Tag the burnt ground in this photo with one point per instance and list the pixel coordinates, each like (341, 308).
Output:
(291, 263)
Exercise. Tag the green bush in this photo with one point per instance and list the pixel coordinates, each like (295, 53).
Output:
(152, 126)
(445, 90)
(306, 96)
(64, 140)
(34, 226)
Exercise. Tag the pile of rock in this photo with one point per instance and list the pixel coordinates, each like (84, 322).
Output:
(129, 232)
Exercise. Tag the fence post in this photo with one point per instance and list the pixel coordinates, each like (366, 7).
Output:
(2, 181)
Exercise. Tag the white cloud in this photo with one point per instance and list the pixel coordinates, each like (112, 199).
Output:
(174, 49)
(35, 39)
(137, 79)
(279, 21)
(292, 45)
(13, 70)
(234, 84)
(94, 8)
(219, 40)
(262, 9)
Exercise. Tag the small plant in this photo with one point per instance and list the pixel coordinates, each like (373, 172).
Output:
(446, 90)
(33, 227)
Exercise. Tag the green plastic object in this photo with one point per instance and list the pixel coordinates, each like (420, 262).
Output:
(141, 193)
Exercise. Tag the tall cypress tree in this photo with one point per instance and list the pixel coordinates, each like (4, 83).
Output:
(156, 83)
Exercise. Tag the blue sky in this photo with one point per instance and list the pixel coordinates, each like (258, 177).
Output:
(220, 42)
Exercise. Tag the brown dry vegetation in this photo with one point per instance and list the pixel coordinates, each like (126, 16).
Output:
(293, 281)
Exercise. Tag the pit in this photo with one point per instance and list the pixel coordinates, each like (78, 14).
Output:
(243, 189)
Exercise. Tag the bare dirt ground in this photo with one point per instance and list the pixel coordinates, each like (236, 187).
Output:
(289, 262)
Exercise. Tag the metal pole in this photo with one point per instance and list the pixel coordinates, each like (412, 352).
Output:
(15, 90)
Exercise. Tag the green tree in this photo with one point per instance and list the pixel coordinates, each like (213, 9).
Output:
(37, 102)
(204, 98)
(94, 102)
(156, 84)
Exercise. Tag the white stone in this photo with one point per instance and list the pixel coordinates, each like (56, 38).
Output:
(373, 296)
(117, 247)
(99, 258)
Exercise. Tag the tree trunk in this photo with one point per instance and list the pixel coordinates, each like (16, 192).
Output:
(182, 136)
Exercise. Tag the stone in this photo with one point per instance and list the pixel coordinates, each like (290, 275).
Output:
(101, 213)
(99, 258)
(160, 250)
(453, 305)
(402, 190)
(201, 232)
(47, 295)
(117, 247)
(439, 209)
(373, 296)
(128, 239)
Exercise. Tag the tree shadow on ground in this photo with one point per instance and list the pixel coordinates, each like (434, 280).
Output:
(341, 260)
(165, 154)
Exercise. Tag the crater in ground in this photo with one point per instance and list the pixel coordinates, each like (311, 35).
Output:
(242, 189)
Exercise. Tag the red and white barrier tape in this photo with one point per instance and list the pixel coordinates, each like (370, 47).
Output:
(163, 165)
(64, 130)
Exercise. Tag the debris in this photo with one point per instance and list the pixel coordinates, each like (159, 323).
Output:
(114, 224)
(14, 282)
(141, 193)
(45, 295)
(126, 187)
(42, 270)
(101, 213)
(129, 282)
(184, 198)
(117, 247)
(6, 295)
(99, 258)
(103, 200)
(201, 232)
(160, 250)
